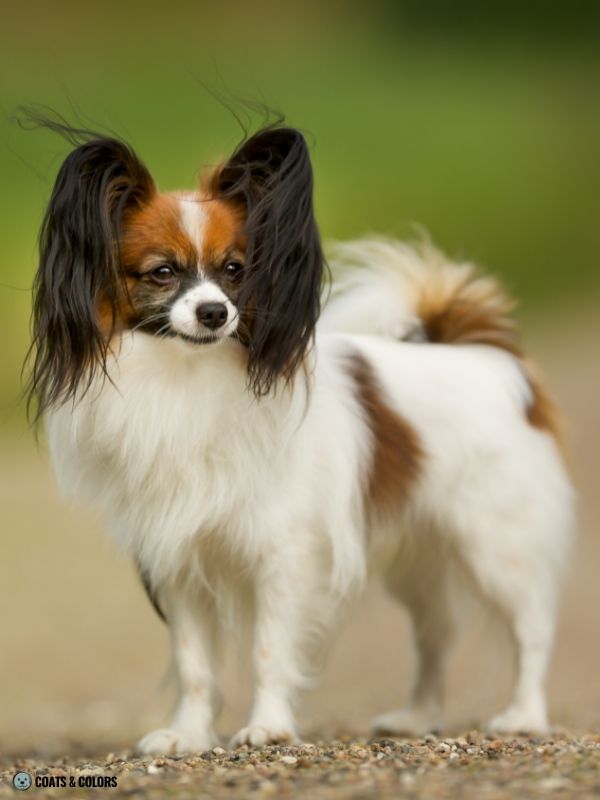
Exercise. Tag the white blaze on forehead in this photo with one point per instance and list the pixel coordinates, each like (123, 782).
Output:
(193, 221)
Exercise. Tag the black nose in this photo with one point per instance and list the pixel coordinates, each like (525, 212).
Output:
(212, 315)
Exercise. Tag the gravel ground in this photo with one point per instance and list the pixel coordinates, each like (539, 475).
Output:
(469, 766)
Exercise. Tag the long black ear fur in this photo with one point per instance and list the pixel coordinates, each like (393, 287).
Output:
(270, 176)
(79, 263)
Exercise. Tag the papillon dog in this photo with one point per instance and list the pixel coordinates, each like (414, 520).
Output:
(259, 459)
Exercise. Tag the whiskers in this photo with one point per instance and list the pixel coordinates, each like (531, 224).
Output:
(159, 324)
(164, 331)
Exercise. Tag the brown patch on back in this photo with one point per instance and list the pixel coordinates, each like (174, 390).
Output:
(397, 452)
(156, 229)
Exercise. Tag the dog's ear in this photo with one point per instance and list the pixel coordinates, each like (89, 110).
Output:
(79, 281)
(269, 177)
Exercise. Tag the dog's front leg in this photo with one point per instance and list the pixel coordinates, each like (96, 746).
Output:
(283, 621)
(193, 623)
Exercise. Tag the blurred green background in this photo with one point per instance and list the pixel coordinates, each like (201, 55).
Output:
(481, 126)
(480, 122)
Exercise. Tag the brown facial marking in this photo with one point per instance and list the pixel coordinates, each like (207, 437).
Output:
(106, 318)
(155, 229)
(222, 232)
(153, 234)
(397, 453)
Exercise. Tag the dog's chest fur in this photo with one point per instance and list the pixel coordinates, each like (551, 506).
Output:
(176, 448)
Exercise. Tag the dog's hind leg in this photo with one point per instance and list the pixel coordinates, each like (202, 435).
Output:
(516, 563)
(525, 596)
(420, 584)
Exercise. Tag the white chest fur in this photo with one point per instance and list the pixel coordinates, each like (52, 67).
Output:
(178, 451)
(174, 447)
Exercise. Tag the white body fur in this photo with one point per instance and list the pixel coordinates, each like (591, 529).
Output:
(226, 501)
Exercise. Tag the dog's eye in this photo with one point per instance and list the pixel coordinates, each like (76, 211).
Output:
(233, 269)
(163, 274)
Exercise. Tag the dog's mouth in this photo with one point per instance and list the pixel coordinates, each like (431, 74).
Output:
(212, 339)
(201, 338)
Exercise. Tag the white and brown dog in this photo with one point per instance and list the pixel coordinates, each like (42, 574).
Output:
(258, 460)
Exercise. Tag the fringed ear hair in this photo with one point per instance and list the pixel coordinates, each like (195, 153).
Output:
(270, 178)
(79, 282)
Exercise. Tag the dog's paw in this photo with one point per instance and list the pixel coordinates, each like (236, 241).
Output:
(515, 720)
(167, 741)
(408, 722)
(259, 735)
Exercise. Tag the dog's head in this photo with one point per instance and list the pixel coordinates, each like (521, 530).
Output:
(240, 257)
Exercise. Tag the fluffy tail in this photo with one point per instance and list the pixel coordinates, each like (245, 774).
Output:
(413, 292)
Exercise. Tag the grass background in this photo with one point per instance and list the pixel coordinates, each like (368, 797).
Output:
(482, 126)
(485, 129)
